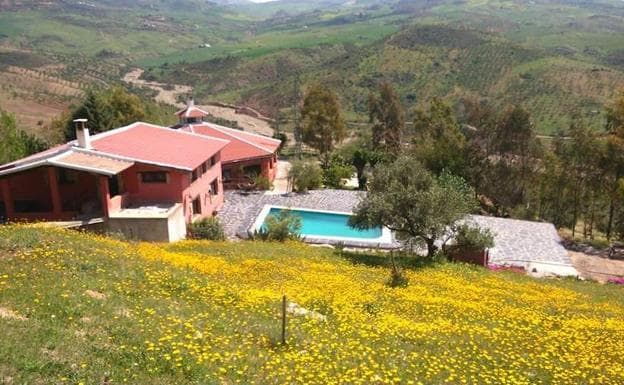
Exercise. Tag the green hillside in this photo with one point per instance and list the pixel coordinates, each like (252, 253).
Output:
(82, 309)
(558, 59)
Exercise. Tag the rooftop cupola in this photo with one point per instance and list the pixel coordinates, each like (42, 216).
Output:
(191, 114)
(82, 133)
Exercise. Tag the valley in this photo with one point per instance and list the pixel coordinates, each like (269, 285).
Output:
(557, 59)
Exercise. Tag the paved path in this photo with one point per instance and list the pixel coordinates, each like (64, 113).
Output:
(597, 267)
(281, 185)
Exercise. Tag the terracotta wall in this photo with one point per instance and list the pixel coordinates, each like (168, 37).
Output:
(179, 189)
(32, 189)
(210, 201)
(83, 191)
(31, 185)
(145, 193)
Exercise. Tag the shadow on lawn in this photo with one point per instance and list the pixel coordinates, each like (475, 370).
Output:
(378, 259)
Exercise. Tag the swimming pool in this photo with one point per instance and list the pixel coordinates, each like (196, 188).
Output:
(319, 226)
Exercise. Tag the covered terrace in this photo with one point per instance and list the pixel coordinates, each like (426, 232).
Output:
(72, 185)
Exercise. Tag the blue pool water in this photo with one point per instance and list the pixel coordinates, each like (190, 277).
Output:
(328, 224)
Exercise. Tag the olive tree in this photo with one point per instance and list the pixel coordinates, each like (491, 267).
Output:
(419, 206)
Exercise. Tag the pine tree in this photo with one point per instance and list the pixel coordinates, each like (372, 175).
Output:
(613, 161)
(439, 142)
(388, 118)
(517, 148)
(323, 125)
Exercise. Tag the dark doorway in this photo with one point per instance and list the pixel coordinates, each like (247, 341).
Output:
(113, 186)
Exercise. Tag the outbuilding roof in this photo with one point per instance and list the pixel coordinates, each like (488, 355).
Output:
(192, 111)
(242, 145)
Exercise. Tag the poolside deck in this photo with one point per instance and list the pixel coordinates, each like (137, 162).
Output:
(240, 210)
(532, 245)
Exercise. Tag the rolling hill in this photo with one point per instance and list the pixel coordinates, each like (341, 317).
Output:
(559, 59)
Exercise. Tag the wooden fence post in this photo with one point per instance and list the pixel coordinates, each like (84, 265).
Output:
(284, 320)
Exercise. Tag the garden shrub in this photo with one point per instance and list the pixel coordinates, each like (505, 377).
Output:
(280, 227)
(206, 228)
(337, 171)
(471, 237)
(305, 175)
(262, 182)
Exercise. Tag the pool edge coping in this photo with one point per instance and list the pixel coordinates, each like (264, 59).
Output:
(384, 241)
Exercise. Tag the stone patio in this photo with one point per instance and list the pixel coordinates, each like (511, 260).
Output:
(240, 210)
(532, 245)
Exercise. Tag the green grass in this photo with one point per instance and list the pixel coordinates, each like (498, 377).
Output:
(86, 309)
(274, 41)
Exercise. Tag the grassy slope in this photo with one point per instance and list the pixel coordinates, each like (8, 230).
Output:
(201, 312)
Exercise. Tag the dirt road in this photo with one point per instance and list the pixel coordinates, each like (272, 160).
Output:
(165, 95)
(169, 94)
(596, 267)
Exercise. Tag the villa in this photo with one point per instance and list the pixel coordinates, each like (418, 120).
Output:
(142, 180)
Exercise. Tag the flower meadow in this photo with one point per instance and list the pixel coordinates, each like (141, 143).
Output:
(79, 308)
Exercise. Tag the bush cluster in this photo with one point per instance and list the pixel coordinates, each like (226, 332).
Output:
(206, 228)
(305, 175)
(471, 237)
(281, 227)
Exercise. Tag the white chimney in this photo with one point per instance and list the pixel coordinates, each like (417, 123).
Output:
(82, 133)
(190, 102)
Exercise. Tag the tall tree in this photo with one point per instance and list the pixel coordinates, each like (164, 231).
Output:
(439, 142)
(517, 150)
(125, 107)
(580, 156)
(15, 143)
(388, 118)
(107, 109)
(414, 203)
(323, 125)
(614, 157)
(479, 121)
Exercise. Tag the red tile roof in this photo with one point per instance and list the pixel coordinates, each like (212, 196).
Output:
(147, 143)
(243, 145)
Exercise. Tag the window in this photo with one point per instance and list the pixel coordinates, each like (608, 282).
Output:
(214, 187)
(227, 174)
(154, 177)
(204, 167)
(213, 160)
(197, 206)
(66, 176)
